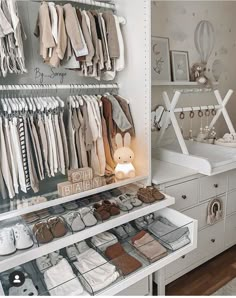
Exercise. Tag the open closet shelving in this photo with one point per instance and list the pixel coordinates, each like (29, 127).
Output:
(137, 70)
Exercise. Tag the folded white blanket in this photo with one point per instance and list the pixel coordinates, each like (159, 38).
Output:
(104, 240)
(97, 273)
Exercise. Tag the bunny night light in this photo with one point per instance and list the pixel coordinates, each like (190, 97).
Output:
(123, 157)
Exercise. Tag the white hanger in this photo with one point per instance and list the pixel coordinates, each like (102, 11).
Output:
(30, 108)
(61, 102)
(4, 105)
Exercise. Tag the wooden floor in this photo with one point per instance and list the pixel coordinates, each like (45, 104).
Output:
(208, 278)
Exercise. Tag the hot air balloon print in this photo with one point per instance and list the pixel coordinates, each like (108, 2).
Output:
(204, 38)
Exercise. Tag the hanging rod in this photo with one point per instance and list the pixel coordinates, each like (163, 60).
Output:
(58, 87)
(88, 2)
(199, 108)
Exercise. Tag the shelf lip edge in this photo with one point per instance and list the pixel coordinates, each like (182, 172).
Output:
(34, 253)
(62, 200)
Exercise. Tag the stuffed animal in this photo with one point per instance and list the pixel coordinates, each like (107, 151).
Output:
(124, 156)
(198, 73)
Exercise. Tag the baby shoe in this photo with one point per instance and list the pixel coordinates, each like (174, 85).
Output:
(111, 207)
(43, 213)
(72, 252)
(42, 232)
(56, 209)
(57, 226)
(134, 200)
(82, 246)
(124, 203)
(30, 217)
(145, 195)
(141, 223)
(87, 217)
(22, 236)
(55, 257)
(149, 218)
(129, 229)
(74, 220)
(7, 242)
(70, 206)
(158, 196)
(43, 263)
(100, 212)
(120, 232)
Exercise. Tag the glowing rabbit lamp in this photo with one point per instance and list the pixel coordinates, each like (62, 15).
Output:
(123, 157)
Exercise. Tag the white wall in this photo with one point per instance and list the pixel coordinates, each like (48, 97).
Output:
(178, 20)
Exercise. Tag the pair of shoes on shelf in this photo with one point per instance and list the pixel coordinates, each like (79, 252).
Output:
(75, 249)
(127, 202)
(16, 237)
(45, 262)
(105, 209)
(70, 206)
(34, 216)
(54, 227)
(149, 195)
(125, 231)
(80, 219)
(144, 221)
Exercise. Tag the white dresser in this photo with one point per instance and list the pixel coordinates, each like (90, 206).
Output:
(193, 193)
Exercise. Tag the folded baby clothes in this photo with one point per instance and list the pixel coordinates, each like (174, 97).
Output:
(169, 235)
(104, 240)
(61, 281)
(97, 273)
(121, 259)
(149, 247)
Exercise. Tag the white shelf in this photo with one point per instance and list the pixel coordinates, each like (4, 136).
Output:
(24, 256)
(177, 218)
(194, 84)
(62, 200)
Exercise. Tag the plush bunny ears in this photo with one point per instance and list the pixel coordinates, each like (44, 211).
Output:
(119, 140)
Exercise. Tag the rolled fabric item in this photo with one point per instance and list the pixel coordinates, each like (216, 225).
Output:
(122, 260)
(104, 240)
(150, 248)
(96, 272)
(61, 281)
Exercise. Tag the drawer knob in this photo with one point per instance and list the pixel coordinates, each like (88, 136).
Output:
(216, 185)
(184, 197)
(213, 240)
(183, 257)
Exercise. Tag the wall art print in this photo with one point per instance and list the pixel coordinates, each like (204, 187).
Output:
(180, 66)
(161, 70)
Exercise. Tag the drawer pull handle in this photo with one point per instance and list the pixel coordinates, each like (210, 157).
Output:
(213, 240)
(216, 185)
(184, 197)
(183, 257)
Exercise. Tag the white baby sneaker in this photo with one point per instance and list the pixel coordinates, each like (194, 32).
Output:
(22, 237)
(7, 242)
(43, 263)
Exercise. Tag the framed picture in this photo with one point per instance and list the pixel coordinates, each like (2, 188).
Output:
(180, 66)
(161, 70)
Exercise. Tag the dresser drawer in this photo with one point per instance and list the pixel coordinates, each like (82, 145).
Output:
(186, 194)
(210, 241)
(232, 179)
(212, 186)
(231, 202)
(200, 213)
(140, 288)
(230, 230)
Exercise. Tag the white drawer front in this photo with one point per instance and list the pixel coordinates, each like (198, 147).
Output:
(231, 203)
(230, 230)
(140, 288)
(212, 186)
(232, 179)
(210, 241)
(186, 194)
(200, 213)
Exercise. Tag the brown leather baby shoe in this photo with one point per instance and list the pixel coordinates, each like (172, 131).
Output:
(100, 212)
(42, 232)
(111, 207)
(145, 195)
(158, 196)
(57, 226)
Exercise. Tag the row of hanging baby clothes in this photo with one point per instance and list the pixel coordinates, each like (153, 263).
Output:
(33, 144)
(12, 58)
(88, 41)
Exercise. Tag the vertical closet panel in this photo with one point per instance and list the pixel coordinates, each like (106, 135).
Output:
(135, 79)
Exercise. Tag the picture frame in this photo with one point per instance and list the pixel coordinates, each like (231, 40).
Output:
(180, 66)
(160, 54)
